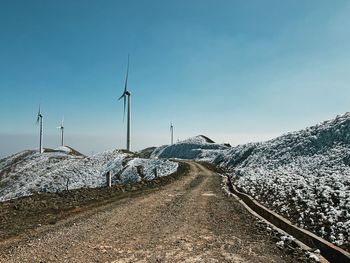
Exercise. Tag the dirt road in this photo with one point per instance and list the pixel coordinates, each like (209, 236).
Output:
(190, 220)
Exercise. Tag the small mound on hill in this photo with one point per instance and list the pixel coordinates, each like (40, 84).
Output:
(199, 139)
(146, 153)
(197, 148)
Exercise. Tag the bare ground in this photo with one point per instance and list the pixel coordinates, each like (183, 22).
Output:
(189, 220)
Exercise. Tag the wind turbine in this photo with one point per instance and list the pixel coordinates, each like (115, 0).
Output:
(40, 119)
(172, 133)
(61, 127)
(127, 94)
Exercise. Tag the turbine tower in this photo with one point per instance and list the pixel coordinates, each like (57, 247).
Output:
(127, 98)
(40, 119)
(61, 127)
(172, 133)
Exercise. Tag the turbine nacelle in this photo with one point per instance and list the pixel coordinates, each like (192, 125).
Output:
(61, 127)
(39, 116)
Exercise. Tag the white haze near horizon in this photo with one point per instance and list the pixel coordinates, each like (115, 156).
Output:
(91, 144)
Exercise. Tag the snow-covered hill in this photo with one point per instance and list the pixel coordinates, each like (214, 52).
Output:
(28, 172)
(195, 148)
(303, 175)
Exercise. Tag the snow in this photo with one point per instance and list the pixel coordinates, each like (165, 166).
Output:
(313, 257)
(304, 175)
(64, 149)
(6, 162)
(280, 244)
(28, 172)
(200, 139)
(195, 148)
(151, 168)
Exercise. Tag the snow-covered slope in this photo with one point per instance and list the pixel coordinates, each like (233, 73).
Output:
(303, 175)
(195, 148)
(27, 172)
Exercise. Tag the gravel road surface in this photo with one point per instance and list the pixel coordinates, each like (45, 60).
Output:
(189, 220)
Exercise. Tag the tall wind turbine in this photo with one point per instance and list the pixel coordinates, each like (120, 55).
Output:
(61, 127)
(127, 98)
(172, 133)
(40, 119)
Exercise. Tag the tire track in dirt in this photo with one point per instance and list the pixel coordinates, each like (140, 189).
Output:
(189, 220)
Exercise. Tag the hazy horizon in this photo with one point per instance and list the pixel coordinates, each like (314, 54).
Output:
(89, 144)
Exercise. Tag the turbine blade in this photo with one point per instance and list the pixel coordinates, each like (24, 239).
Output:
(127, 76)
(122, 96)
(38, 116)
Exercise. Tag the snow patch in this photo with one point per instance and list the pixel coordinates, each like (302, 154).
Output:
(64, 149)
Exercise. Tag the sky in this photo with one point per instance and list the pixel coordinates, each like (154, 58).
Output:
(236, 71)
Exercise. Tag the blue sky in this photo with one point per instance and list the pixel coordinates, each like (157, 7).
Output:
(236, 71)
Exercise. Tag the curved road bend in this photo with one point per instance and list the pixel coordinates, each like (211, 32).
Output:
(189, 220)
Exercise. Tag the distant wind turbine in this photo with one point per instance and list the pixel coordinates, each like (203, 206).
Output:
(61, 127)
(125, 94)
(40, 119)
(171, 133)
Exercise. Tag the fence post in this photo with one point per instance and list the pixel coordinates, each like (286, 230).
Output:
(155, 172)
(109, 179)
